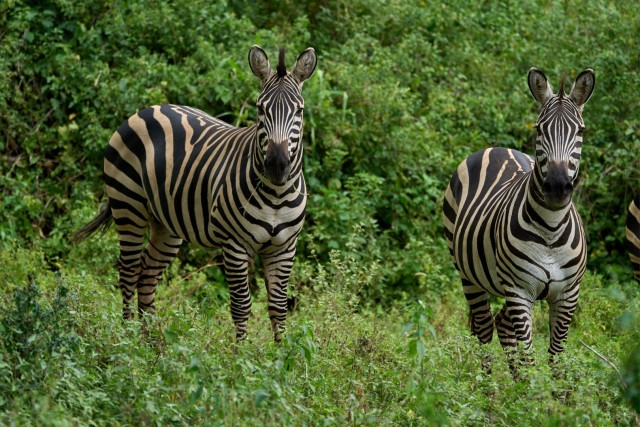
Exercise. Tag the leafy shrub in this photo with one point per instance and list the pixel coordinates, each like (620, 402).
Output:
(37, 342)
(404, 91)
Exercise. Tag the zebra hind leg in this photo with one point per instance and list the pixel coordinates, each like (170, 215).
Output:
(131, 225)
(162, 248)
(480, 317)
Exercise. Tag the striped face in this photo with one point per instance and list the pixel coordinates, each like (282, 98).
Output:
(280, 107)
(559, 136)
(558, 148)
(279, 123)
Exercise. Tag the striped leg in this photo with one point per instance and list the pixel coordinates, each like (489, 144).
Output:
(236, 270)
(480, 312)
(518, 311)
(131, 225)
(277, 269)
(514, 326)
(162, 248)
(507, 336)
(506, 333)
(560, 314)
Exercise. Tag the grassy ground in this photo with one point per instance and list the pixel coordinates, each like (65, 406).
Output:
(66, 358)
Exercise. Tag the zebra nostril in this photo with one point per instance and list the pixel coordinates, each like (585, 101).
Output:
(546, 187)
(568, 187)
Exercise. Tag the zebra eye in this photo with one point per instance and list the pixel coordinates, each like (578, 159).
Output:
(580, 131)
(260, 110)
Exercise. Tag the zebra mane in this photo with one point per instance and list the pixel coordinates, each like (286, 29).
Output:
(561, 90)
(282, 68)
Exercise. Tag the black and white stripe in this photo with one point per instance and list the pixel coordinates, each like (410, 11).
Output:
(633, 235)
(187, 176)
(512, 228)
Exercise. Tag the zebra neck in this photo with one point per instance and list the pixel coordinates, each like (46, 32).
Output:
(295, 184)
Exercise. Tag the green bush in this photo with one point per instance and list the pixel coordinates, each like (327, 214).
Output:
(37, 342)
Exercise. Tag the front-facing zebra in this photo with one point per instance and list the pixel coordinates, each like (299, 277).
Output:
(512, 228)
(185, 175)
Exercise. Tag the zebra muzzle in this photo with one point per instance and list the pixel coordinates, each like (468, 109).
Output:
(277, 164)
(557, 187)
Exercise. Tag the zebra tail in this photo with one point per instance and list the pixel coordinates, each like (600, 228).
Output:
(100, 222)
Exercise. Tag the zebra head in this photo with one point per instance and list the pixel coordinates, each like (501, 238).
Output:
(559, 135)
(280, 106)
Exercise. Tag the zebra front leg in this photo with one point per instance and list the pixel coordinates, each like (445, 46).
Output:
(560, 314)
(516, 317)
(277, 269)
(507, 339)
(518, 310)
(236, 270)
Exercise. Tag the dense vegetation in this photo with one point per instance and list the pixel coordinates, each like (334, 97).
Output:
(404, 90)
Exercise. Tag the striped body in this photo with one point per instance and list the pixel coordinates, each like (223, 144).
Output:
(513, 231)
(193, 174)
(633, 235)
(187, 176)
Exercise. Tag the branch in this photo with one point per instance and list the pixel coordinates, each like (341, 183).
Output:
(624, 385)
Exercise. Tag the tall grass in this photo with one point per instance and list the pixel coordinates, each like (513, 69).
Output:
(66, 357)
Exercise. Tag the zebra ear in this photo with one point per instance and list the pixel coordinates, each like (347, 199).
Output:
(259, 63)
(305, 65)
(583, 87)
(539, 86)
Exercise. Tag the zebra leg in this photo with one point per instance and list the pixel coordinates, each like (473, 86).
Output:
(560, 314)
(518, 311)
(480, 312)
(480, 317)
(508, 340)
(277, 269)
(236, 270)
(162, 248)
(516, 317)
(131, 227)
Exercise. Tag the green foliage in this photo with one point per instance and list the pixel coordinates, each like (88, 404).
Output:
(66, 357)
(403, 92)
(37, 344)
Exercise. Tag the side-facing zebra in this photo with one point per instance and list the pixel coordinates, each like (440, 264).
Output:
(185, 175)
(512, 228)
(633, 235)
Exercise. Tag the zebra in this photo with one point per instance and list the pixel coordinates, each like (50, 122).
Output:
(633, 235)
(512, 228)
(187, 176)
